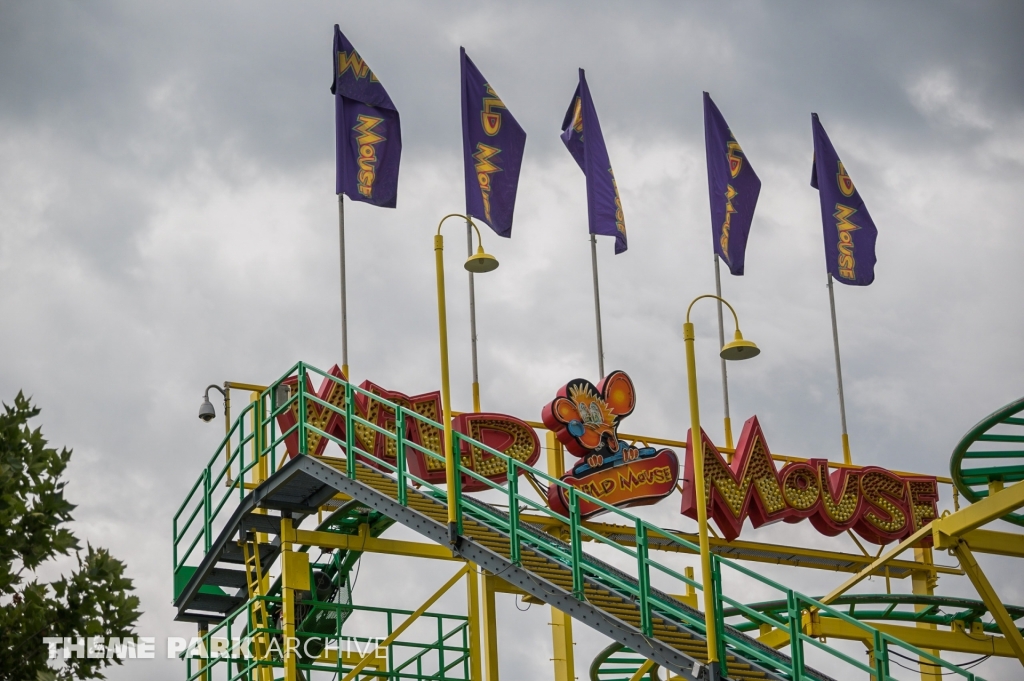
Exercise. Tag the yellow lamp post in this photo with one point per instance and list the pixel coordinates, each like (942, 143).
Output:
(737, 349)
(477, 263)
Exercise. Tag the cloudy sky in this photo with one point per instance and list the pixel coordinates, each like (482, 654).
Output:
(167, 220)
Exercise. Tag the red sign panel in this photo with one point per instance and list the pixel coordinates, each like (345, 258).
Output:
(507, 434)
(877, 504)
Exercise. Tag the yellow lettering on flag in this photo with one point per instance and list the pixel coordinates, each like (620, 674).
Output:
(730, 194)
(353, 61)
(484, 167)
(847, 263)
(367, 141)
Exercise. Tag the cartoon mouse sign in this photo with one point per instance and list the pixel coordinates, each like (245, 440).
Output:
(585, 418)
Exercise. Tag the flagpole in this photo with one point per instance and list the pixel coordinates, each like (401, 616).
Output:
(847, 458)
(472, 320)
(721, 344)
(597, 305)
(344, 301)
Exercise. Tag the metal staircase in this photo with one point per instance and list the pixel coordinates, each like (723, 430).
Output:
(301, 484)
(619, 604)
(256, 586)
(604, 607)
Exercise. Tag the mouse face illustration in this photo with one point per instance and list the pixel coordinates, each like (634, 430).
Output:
(611, 472)
(586, 417)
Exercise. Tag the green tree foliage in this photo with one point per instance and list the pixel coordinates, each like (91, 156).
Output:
(95, 600)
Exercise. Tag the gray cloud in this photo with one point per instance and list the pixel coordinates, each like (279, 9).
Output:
(167, 221)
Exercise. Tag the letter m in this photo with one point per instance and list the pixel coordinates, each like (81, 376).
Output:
(483, 158)
(842, 216)
(364, 127)
(749, 487)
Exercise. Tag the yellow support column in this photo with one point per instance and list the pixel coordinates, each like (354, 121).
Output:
(691, 591)
(489, 628)
(261, 471)
(294, 577)
(556, 456)
(561, 624)
(871, 659)
(473, 612)
(204, 630)
(923, 583)
(259, 441)
(710, 619)
(561, 638)
(287, 605)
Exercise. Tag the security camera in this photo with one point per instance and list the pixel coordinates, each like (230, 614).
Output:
(206, 411)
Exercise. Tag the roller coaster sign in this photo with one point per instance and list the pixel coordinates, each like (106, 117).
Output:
(507, 434)
(877, 504)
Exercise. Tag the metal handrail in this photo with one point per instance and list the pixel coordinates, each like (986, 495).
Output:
(244, 662)
(650, 602)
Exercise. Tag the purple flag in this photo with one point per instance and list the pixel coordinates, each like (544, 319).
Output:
(367, 131)
(581, 133)
(493, 144)
(849, 232)
(733, 185)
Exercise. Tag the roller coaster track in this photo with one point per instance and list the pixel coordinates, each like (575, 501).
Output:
(619, 663)
(620, 604)
(990, 455)
(941, 611)
(1000, 437)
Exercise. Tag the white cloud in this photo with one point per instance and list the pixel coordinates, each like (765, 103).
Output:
(940, 95)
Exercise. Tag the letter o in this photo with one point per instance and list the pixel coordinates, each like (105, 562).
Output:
(800, 486)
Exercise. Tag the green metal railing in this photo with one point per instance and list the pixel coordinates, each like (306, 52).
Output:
(230, 474)
(230, 654)
(991, 452)
(265, 443)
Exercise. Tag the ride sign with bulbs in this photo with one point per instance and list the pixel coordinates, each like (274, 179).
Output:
(879, 505)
